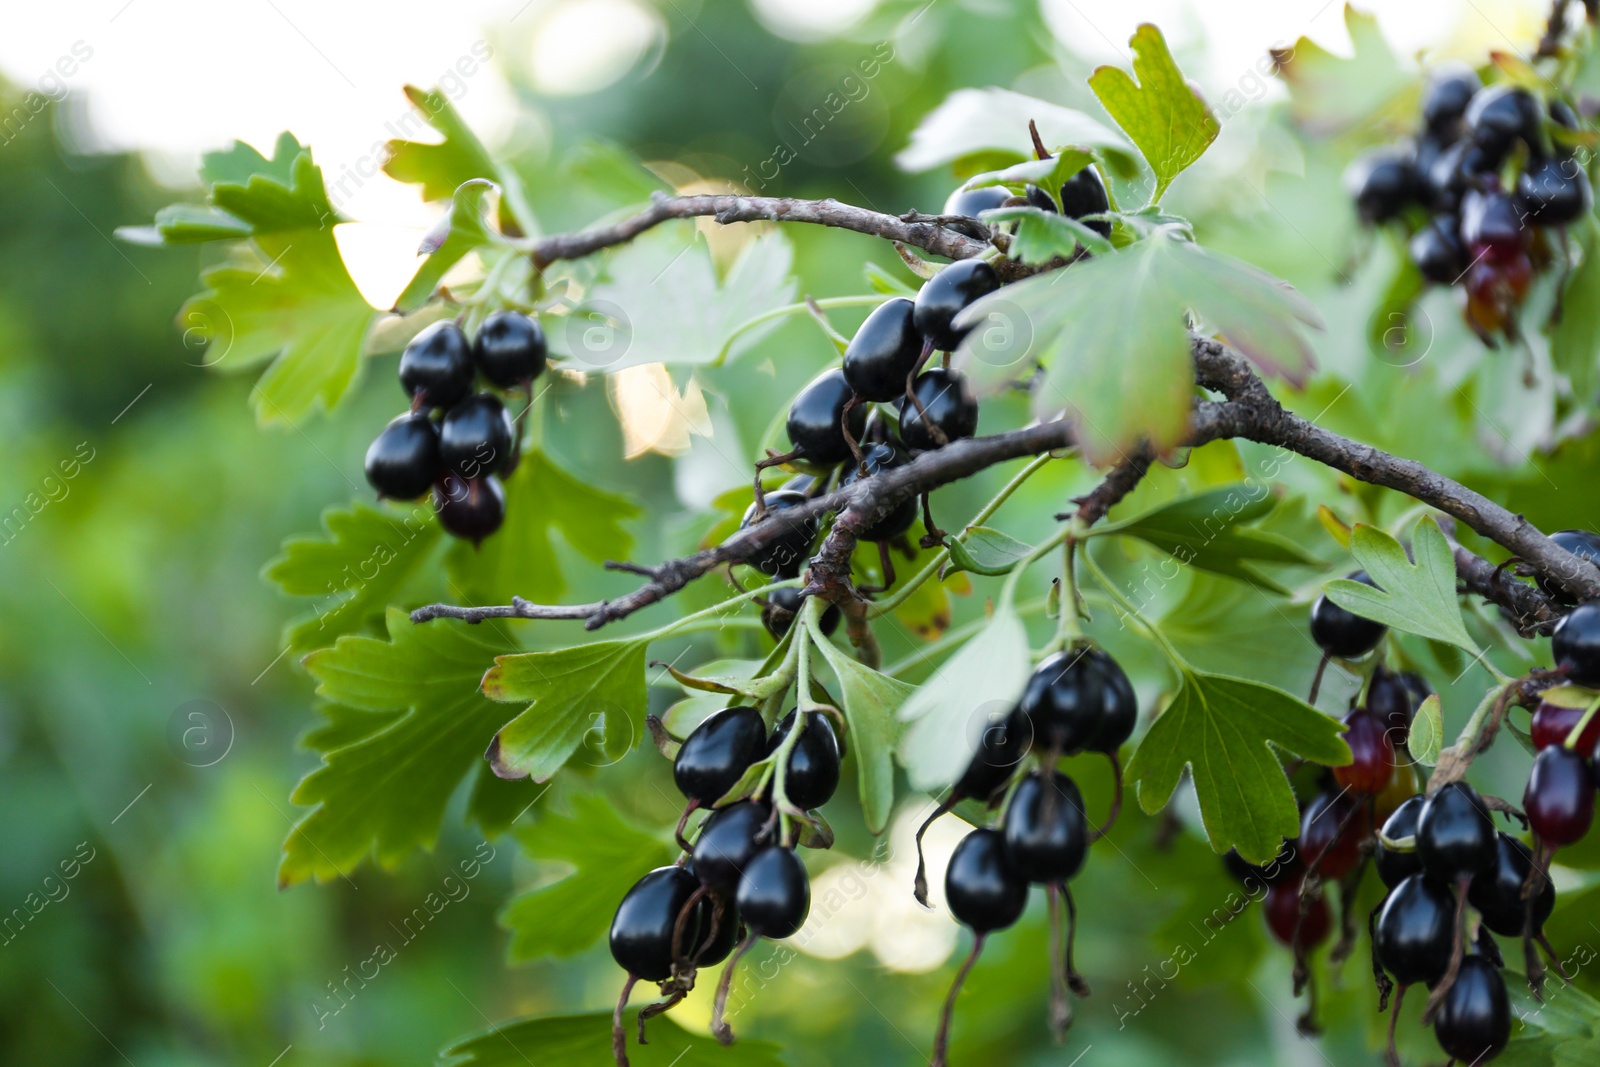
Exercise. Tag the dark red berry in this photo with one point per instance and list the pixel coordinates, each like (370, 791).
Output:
(1585, 544)
(1455, 836)
(641, 932)
(884, 351)
(1497, 892)
(774, 895)
(437, 366)
(1551, 723)
(877, 459)
(1046, 832)
(1575, 642)
(403, 461)
(510, 348)
(813, 771)
(973, 202)
(787, 553)
(1284, 919)
(471, 508)
(1559, 798)
(716, 754)
(728, 841)
(950, 404)
(815, 416)
(1415, 931)
(1372, 762)
(476, 437)
(1342, 633)
(946, 295)
(1394, 866)
(1332, 828)
(1473, 1023)
(982, 889)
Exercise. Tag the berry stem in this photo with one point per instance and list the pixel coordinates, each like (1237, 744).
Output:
(1060, 1004)
(619, 1033)
(719, 1025)
(1167, 647)
(807, 305)
(941, 1040)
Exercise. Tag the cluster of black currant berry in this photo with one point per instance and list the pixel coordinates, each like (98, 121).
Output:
(1083, 196)
(1476, 189)
(1077, 700)
(453, 440)
(740, 879)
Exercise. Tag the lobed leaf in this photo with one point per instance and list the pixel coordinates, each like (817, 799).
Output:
(1161, 112)
(1419, 598)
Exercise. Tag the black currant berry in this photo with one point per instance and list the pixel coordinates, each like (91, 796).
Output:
(884, 351)
(1341, 633)
(774, 893)
(1085, 194)
(1497, 893)
(403, 461)
(727, 843)
(1575, 643)
(982, 889)
(1491, 219)
(1001, 748)
(1066, 700)
(946, 295)
(1286, 864)
(437, 366)
(1445, 101)
(510, 348)
(716, 754)
(1473, 1023)
(1390, 700)
(815, 416)
(787, 554)
(1550, 724)
(950, 404)
(1559, 798)
(1553, 192)
(1383, 183)
(1585, 544)
(1372, 754)
(476, 436)
(1501, 114)
(723, 933)
(1415, 932)
(813, 771)
(1455, 836)
(1121, 707)
(641, 932)
(1394, 866)
(973, 202)
(878, 458)
(1332, 828)
(1300, 928)
(471, 508)
(1046, 833)
(1437, 250)
(783, 606)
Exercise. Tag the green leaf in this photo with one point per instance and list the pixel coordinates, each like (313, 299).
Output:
(663, 294)
(443, 167)
(585, 1041)
(353, 571)
(572, 691)
(462, 231)
(1163, 115)
(986, 551)
(949, 712)
(1043, 236)
(384, 792)
(1112, 336)
(1562, 1030)
(1427, 731)
(1575, 340)
(1330, 93)
(1224, 729)
(871, 702)
(972, 121)
(542, 500)
(1211, 531)
(1418, 598)
(606, 855)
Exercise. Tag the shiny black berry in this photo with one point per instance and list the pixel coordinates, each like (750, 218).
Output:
(945, 295)
(1002, 747)
(1120, 711)
(510, 348)
(1497, 893)
(1383, 183)
(437, 366)
(1394, 866)
(1342, 633)
(1559, 798)
(1473, 1023)
(1455, 836)
(774, 894)
(471, 508)
(982, 889)
(403, 461)
(1575, 643)
(787, 554)
(716, 753)
(884, 351)
(1491, 218)
(728, 842)
(1415, 932)
(1046, 833)
(1066, 700)
(950, 404)
(878, 458)
(1500, 115)
(815, 415)
(1390, 700)
(1085, 194)
(1585, 544)
(783, 606)
(718, 936)
(476, 436)
(972, 202)
(1553, 192)
(1437, 250)
(813, 772)
(1445, 101)
(641, 932)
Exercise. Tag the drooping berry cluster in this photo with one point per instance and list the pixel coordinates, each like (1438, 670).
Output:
(1488, 174)
(1077, 700)
(455, 441)
(740, 878)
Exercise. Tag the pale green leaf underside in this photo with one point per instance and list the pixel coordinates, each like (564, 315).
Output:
(872, 702)
(1418, 598)
(971, 121)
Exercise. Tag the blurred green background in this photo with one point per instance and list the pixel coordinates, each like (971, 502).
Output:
(148, 718)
